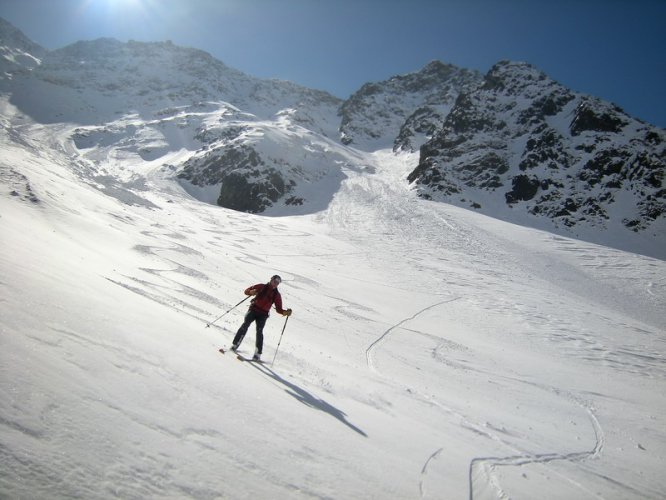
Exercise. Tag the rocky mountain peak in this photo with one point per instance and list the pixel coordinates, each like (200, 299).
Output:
(109, 77)
(115, 67)
(521, 146)
(512, 77)
(17, 51)
(403, 111)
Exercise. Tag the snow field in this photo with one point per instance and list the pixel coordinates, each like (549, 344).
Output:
(433, 352)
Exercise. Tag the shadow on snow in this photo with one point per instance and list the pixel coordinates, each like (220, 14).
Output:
(306, 398)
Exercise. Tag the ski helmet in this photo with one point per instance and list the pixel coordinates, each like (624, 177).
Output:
(276, 278)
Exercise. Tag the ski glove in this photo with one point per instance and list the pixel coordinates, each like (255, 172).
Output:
(287, 313)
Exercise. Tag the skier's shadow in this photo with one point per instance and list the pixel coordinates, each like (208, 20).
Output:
(308, 399)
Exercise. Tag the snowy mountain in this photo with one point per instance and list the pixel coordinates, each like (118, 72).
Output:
(149, 99)
(525, 148)
(17, 52)
(110, 78)
(406, 110)
(513, 144)
(434, 352)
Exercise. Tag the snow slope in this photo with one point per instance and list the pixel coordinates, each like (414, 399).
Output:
(433, 352)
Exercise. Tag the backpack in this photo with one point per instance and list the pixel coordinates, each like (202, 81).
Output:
(266, 292)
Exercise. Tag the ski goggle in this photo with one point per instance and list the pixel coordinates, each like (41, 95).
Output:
(276, 279)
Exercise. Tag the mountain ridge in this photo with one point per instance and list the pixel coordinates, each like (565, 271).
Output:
(17, 51)
(511, 144)
(560, 154)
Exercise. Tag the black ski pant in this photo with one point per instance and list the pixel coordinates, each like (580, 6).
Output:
(260, 320)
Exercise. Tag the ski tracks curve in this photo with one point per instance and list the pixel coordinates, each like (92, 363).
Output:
(483, 467)
(371, 348)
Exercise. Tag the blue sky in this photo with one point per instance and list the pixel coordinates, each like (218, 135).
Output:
(613, 49)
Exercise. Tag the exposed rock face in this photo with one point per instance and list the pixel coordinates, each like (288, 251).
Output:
(405, 110)
(246, 183)
(524, 139)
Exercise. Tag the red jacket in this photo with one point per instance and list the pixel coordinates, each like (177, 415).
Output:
(266, 296)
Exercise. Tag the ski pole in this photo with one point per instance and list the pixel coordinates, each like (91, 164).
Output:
(218, 318)
(281, 334)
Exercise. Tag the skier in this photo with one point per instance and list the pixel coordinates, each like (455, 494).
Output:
(265, 295)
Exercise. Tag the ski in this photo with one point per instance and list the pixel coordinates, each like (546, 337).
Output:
(240, 357)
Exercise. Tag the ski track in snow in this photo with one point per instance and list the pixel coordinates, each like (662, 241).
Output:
(369, 351)
(483, 467)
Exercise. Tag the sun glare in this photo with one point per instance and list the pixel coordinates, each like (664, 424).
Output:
(119, 6)
(119, 13)
(116, 2)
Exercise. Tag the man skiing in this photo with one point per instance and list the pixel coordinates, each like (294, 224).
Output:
(265, 295)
